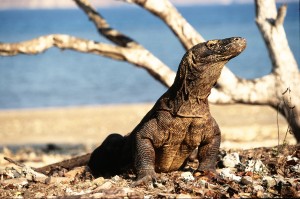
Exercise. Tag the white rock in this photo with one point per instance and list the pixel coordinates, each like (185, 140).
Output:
(11, 172)
(296, 168)
(106, 185)
(32, 175)
(256, 166)
(231, 160)
(56, 180)
(226, 173)
(99, 181)
(70, 192)
(183, 196)
(15, 182)
(116, 178)
(289, 158)
(268, 181)
(188, 176)
(203, 183)
(258, 188)
(39, 195)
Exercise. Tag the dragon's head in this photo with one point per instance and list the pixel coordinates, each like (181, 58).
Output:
(201, 65)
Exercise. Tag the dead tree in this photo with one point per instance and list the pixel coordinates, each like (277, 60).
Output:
(280, 89)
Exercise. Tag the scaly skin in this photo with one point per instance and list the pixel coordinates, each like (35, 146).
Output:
(179, 122)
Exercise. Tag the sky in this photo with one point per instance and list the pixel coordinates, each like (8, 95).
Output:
(36, 4)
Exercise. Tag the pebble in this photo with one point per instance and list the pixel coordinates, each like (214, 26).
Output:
(260, 194)
(98, 195)
(70, 192)
(14, 182)
(40, 179)
(188, 176)
(56, 180)
(256, 166)
(296, 168)
(74, 172)
(226, 173)
(39, 195)
(231, 160)
(183, 196)
(268, 181)
(99, 181)
(258, 188)
(32, 175)
(291, 158)
(11, 172)
(116, 178)
(106, 185)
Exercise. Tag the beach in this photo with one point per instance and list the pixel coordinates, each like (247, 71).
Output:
(34, 138)
(242, 126)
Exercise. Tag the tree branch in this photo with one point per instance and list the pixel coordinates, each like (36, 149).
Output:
(271, 27)
(281, 15)
(163, 9)
(142, 57)
(267, 89)
(43, 43)
(245, 91)
(137, 56)
(103, 27)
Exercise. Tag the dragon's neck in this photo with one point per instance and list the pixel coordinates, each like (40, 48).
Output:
(187, 97)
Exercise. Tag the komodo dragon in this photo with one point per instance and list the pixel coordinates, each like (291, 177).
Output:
(178, 123)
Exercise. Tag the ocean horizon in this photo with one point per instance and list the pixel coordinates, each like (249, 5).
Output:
(59, 78)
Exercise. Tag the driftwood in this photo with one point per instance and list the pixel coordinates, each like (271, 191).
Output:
(19, 164)
(25, 172)
(266, 90)
(67, 164)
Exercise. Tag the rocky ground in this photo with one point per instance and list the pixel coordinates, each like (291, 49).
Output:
(35, 138)
(254, 173)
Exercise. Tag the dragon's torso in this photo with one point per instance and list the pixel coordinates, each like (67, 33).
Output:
(180, 120)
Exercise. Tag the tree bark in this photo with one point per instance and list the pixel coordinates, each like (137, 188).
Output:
(286, 95)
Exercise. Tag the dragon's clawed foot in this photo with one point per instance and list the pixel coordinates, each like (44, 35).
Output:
(144, 177)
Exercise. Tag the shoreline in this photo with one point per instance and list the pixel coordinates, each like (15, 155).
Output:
(242, 126)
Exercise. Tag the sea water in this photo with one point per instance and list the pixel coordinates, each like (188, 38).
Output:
(67, 78)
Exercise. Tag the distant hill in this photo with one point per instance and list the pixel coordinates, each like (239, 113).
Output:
(36, 4)
(49, 4)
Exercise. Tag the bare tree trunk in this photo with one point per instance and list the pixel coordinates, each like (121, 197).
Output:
(284, 66)
(280, 89)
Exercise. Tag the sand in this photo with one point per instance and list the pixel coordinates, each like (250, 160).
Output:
(242, 126)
